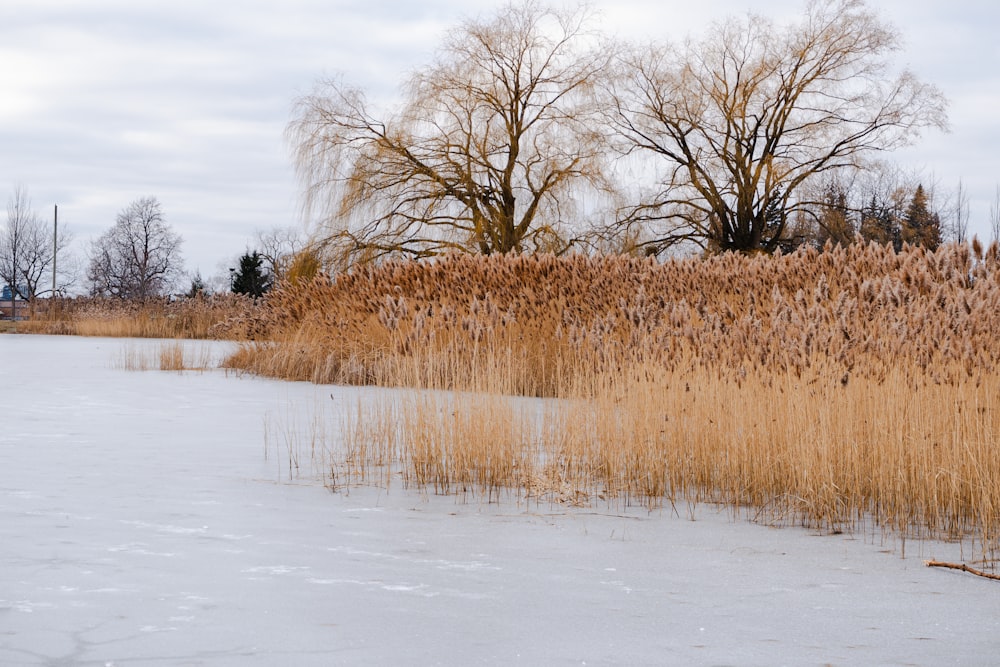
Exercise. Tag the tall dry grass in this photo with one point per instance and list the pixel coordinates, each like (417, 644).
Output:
(200, 318)
(834, 389)
(544, 322)
(834, 457)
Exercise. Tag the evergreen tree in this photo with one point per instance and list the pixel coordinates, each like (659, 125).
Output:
(251, 279)
(920, 225)
(197, 286)
(880, 223)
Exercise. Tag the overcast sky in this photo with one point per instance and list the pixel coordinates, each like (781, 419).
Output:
(105, 101)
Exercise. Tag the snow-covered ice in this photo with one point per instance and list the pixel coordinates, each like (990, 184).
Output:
(142, 524)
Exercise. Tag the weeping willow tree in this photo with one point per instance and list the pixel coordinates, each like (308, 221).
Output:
(495, 143)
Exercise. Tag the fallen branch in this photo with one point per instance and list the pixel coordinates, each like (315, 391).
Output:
(963, 567)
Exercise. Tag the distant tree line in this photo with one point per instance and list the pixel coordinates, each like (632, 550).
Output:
(879, 210)
(138, 257)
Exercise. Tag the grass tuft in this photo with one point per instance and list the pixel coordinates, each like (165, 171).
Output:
(166, 356)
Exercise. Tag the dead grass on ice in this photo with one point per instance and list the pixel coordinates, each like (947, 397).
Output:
(165, 356)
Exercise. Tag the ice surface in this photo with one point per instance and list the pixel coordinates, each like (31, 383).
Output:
(141, 524)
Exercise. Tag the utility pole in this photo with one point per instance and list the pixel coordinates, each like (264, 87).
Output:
(13, 283)
(55, 248)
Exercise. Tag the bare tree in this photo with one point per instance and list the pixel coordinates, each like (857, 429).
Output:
(959, 227)
(27, 249)
(19, 232)
(139, 257)
(490, 141)
(278, 247)
(742, 119)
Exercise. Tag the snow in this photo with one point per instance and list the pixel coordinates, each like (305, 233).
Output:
(141, 523)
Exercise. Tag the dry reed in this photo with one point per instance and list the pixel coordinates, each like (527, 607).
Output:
(200, 318)
(834, 389)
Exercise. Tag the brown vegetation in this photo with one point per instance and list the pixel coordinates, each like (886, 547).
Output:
(539, 323)
(839, 389)
(201, 317)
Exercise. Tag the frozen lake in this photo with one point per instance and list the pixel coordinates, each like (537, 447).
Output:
(140, 524)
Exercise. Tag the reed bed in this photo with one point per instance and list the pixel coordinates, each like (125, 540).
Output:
(833, 457)
(836, 389)
(539, 323)
(199, 317)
